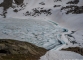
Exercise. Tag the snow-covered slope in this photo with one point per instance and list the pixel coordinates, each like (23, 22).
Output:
(31, 8)
(61, 55)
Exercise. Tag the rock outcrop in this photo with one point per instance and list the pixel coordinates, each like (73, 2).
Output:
(16, 50)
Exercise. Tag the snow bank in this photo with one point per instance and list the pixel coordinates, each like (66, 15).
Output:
(61, 55)
(1, 1)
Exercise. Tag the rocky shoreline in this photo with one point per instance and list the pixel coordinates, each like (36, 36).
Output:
(19, 50)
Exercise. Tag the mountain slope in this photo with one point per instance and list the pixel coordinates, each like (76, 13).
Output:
(61, 13)
(32, 8)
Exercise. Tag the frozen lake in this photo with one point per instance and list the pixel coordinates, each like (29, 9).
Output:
(42, 33)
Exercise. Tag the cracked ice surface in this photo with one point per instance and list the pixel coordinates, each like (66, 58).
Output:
(39, 32)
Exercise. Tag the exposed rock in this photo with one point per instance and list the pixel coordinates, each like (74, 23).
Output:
(73, 9)
(6, 4)
(19, 50)
(73, 2)
(38, 11)
(56, 6)
(75, 49)
(42, 3)
(57, 0)
(15, 10)
(18, 2)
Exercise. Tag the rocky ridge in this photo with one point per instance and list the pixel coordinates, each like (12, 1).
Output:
(16, 50)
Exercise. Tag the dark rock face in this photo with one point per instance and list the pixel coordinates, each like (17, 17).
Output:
(38, 11)
(73, 2)
(56, 6)
(15, 48)
(73, 8)
(18, 2)
(57, 0)
(75, 49)
(42, 3)
(6, 4)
